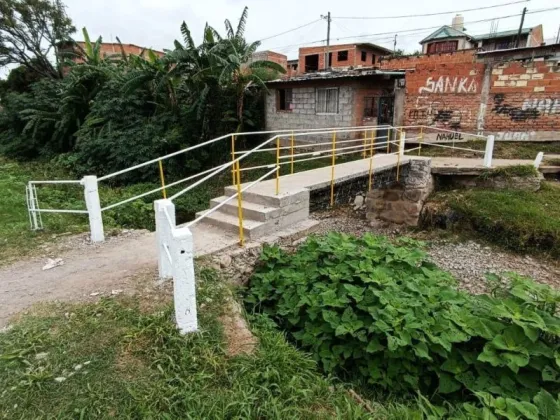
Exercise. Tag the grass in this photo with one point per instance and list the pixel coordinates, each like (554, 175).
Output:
(17, 240)
(123, 358)
(521, 171)
(502, 150)
(519, 220)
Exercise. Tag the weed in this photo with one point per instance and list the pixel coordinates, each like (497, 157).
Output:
(111, 359)
(381, 312)
(521, 171)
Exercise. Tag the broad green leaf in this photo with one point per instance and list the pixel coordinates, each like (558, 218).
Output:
(547, 405)
(447, 384)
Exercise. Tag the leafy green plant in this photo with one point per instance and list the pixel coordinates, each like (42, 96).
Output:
(372, 310)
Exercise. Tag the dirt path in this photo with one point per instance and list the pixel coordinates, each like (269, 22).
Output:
(87, 269)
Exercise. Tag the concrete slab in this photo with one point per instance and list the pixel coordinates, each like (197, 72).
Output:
(320, 178)
(466, 166)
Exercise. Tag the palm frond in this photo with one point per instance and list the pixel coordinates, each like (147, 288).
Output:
(242, 23)
(229, 29)
(189, 42)
(87, 42)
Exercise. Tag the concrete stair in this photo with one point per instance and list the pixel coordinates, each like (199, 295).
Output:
(263, 213)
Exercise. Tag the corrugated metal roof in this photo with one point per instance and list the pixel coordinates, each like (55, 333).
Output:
(502, 34)
(348, 74)
(445, 32)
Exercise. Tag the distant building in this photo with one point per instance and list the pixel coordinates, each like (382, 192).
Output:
(344, 56)
(448, 39)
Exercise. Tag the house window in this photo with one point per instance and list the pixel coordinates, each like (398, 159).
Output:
(327, 101)
(373, 59)
(443, 47)
(364, 56)
(311, 63)
(343, 56)
(370, 107)
(284, 100)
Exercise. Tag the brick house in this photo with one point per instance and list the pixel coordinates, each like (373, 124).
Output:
(334, 99)
(513, 94)
(452, 38)
(343, 56)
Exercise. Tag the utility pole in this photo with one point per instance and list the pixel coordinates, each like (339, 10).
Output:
(395, 44)
(558, 35)
(329, 20)
(520, 27)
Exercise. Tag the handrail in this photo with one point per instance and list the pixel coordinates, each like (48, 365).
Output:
(220, 169)
(206, 143)
(223, 203)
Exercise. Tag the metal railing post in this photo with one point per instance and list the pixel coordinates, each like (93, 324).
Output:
(232, 160)
(93, 205)
(538, 160)
(239, 206)
(371, 153)
(292, 154)
(364, 153)
(278, 166)
(489, 151)
(164, 236)
(400, 154)
(333, 161)
(162, 179)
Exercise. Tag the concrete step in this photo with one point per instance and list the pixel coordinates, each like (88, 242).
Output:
(230, 223)
(269, 198)
(254, 211)
(253, 229)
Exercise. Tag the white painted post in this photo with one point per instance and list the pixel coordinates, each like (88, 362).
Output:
(184, 286)
(401, 143)
(489, 151)
(93, 205)
(164, 236)
(538, 160)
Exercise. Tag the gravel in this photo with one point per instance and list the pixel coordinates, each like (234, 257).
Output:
(467, 261)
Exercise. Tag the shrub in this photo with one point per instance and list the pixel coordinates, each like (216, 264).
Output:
(381, 312)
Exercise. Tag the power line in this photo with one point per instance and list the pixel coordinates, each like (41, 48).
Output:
(439, 26)
(410, 32)
(290, 30)
(431, 14)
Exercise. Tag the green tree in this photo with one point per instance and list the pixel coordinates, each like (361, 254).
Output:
(237, 68)
(31, 32)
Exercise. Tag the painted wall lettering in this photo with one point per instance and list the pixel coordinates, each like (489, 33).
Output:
(447, 84)
(449, 136)
(544, 106)
(435, 113)
(515, 135)
(514, 112)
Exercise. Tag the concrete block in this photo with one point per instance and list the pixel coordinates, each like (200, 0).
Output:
(497, 71)
(525, 76)
(499, 83)
(530, 71)
(537, 76)
(539, 89)
(521, 83)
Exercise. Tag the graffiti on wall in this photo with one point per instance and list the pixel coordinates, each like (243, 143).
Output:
(435, 113)
(544, 106)
(449, 136)
(530, 110)
(449, 84)
(515, 135)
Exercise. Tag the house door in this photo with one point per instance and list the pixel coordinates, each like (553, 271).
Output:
(385, 109)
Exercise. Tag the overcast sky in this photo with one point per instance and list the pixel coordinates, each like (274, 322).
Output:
(155, 23)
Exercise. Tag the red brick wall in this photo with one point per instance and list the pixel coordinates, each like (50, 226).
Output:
(354, 56)
(444, 96)
(524, 101)
(410, 62)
